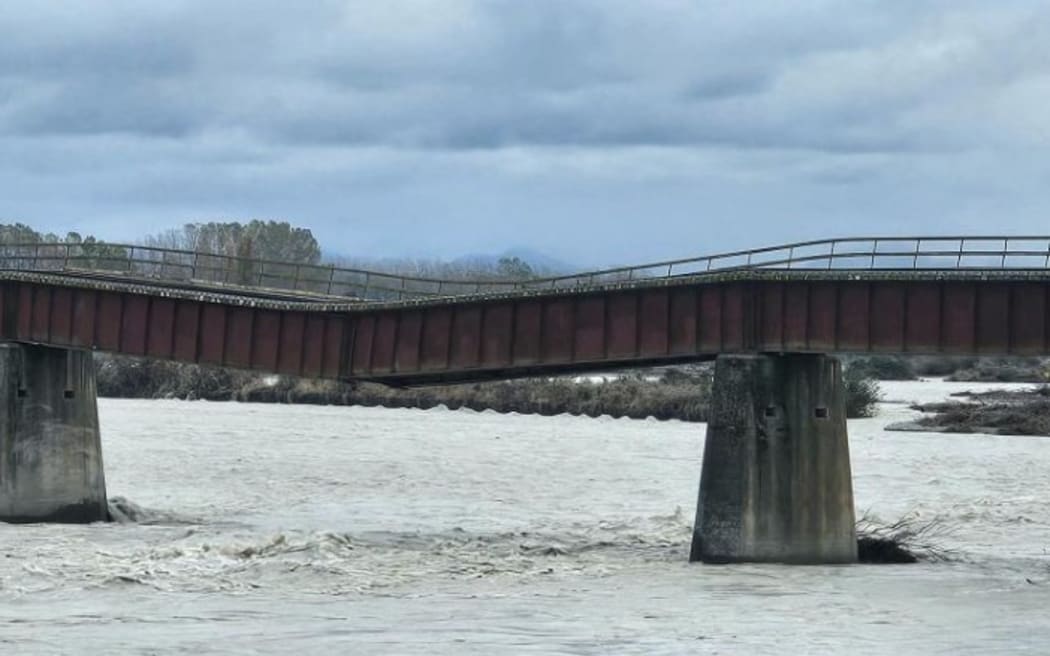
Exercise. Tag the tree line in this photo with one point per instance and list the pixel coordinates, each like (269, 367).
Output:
(234, 247)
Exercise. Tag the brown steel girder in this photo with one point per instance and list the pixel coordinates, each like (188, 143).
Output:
(554, 332)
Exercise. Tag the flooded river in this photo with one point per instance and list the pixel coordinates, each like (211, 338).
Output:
(322, 530)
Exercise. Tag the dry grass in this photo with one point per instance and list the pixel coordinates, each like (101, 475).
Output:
(681, 393)
(685, 399)
(1013, 413)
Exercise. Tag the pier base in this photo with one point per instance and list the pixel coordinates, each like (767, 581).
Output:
(775, 484)
(50, 450)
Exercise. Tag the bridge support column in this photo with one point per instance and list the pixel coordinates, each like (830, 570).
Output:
(50, 451)
(775, 484)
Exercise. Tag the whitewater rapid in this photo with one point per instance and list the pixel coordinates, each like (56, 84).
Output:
(272, 529)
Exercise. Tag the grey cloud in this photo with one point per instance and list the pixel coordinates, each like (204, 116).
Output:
(724, 85)
(492, 75)
(100, 108)
(383, 113)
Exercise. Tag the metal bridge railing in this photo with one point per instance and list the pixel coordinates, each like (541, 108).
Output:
(855, 253)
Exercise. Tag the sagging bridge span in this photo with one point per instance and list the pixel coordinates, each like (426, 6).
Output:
(775, 483)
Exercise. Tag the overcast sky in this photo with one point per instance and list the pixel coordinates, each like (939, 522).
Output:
(597, 131)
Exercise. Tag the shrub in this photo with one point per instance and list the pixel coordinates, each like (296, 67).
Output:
(139, 378)
(862, 394)
(884, 367)
(941, 365)
(1003, 370)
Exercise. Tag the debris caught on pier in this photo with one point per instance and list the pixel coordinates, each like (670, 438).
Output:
(909, 539)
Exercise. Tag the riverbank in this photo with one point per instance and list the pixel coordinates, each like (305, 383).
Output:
(994, 412)
(681, 393)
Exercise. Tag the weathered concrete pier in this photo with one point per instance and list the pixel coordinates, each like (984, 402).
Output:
(50, 449)
(775, 482)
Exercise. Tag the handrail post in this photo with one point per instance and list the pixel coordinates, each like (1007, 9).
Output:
(669, 268)
(915, 257)
(874, 250)
(295, 278)
(331, 279)
(1006, 248)
(958, 260)
(368, 277)
(791, 257)
(831, 254)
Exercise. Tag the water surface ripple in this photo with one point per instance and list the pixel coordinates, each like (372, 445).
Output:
(270, 529)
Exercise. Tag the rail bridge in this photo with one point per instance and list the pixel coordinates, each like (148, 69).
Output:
(775, 484)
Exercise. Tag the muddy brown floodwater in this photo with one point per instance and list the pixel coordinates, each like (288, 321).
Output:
(322, 530)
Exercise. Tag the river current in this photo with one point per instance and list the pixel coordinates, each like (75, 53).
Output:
(325, 530)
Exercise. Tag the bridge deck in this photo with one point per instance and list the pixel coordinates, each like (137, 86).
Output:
(527, 331)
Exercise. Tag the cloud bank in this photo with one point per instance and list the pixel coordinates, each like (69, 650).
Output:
(600, 131)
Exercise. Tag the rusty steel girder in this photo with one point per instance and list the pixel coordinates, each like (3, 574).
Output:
(509, 335)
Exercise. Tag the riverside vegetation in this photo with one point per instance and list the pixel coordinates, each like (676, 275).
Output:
(678, 393)
(665, 393)
(952, 368)
(999, 412)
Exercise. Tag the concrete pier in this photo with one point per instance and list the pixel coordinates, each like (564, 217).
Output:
(775, 483)
(50, 450)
